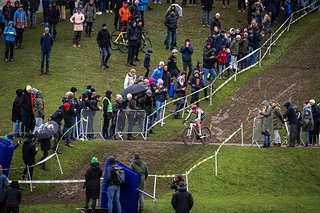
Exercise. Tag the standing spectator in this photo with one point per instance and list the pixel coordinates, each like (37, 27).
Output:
(113, 190)
(4, 183)
(62, 9)
(16, 113)
(131, 106)
(9, 35)
(68, 112)
(20, 21)
(216, 22)
(172, 64)
(141, 168)
(117, 106)
(130, 78)
(234, 48)
(258, 9)
(29, 151)
(266, 113)
(146, 103)
(57, 117)
(45, 9)
(72, 5)
(90, 15)
(38, 107)
(33, 8)
(109, 4)
(166, 77)
(222, 60)
(139, 40)
(177, 180)
(308, 123)
(13, 197)
(208, 63)
(124, 14)
(103, 40)
(27, 104)
(107, 114)
(132, 37)
(243, 51)
(220, 40)
(172, 25)
(316, 122)
(157, 73)
(146, 62)
(196, 84)
(45, 146)
(46, 43)
(142, 7)
(187, 51)
(241, 6)
(160, 98)
(77, 20)
(226, 5)
(53, 19)
(277, 122)
(182, 200)
(117, 6)
(290, 114)
(179, 92)
(192, 2)
(249, 15)
(8, 12)
(255, 37)
(206, 12)
(92, 183)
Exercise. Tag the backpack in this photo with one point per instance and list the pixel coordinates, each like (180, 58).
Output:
(118, 175)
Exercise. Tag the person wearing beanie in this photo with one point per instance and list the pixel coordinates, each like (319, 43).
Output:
(92, 183)
(12, 197)
(182, 200)
(107, 114)
(141, 168)
(20, 22)
(4, 183)
(38, 108)
(29, 151)
(172, 64)
(103, 40)
(46, 42)
(187, 51)
(147, 62)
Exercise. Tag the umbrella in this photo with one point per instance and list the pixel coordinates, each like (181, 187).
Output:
(134, 89)
(46, 130)
(177, 8)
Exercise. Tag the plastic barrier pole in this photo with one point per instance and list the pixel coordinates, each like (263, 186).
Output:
(289, 23)
(235, 74)
(211, 94)
(269, 53)
(184, 106)
(260, 54)
(59, 164)
(155, 186)
(216, 162)
(163, 113)
(241, 126)
(29, 178)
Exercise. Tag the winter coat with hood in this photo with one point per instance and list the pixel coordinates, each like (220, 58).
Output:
(207, 5)
(58, 116)
(179, 91)
(142, 6)
(171, 23)
(277, 118)
(220, 41)
(222, 57)
(290, 114)
(267, 117)
(186, 53)
(16, 107)
(39, 105)
(172, 64)
(92, 184)
(54, 14)
(157, 74)
(34, 5)
(26, 103)
(316, 114)
(146, 103)
(196, 82)
(77, 19)
(29, 151)
(13, 195)
(160, 94)
(140, 167)
(9, 33)
(182, 200)
(20, 19)
(90, 12)
(307, 123)
(132, 35)
(234, 47)
(129, 80)
(8, 12)
(103, 38)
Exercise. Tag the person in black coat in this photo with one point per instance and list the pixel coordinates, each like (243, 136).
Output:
(68, 112)
(29, 151)
(182, 200)
(92, 184)
(166, 77)
(13, 197)
(291, 116)
(316, 120)
(28, 121)
(172, 64)
(132, 37)
(146, 62)
(172, 25)
(53, 18)
(45, 147)
(57, 117)
(33, 8)
(103, 40)
(16, 117)
(139, 37)
(8, 11)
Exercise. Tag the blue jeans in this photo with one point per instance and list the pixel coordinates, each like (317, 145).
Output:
(16, 127)
(206, 73)
(106, 53)
(307, 133)
(46, 55)
(53, 30)
(159, 108)
(113, 193)
(266, 140)
(221, 68)
(178, 107)
(173, 36)
(253, 58)
(33, 19)
(206, 15)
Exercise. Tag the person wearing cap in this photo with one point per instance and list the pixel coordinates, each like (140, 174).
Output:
(130, 78)
(53, 18)
(29, 151)
(33, 8)
(77, 20)
(187, 51)
(157, 73)
(141, 168)
(292, 119)
(8, 12)
(68, 112)
(12, 197)
(146, 62)
(104, 42)
(9, 35)
(4, 183)
(107, 114)
(92, 183)
(182, 200)
(172, 64)
(20, 22)
(215, 22)
(172, 24)
(206, 6)
(113, 190)
(316, 122)
(46, 42)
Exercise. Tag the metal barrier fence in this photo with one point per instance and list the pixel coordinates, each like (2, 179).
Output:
(131, 122)
(252, 59)
(91, 124)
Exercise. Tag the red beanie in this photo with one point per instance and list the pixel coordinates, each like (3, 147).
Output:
(66, 105)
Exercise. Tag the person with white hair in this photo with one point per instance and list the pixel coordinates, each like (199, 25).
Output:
(131, 107)
(216, 22)
(316, 122)
(130, 78)
(117, 106)
(157, 73)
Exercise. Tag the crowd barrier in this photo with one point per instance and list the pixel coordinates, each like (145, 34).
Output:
(91, 124)
(253, 59)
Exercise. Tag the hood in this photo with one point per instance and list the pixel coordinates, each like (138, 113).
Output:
(39, 94)
(137, 161)
(287, 105)
(108, 94)
(10, 22)
(19, 92)
(94, 166)
(265, 103)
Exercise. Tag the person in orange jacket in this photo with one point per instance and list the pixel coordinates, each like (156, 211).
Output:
(124, 14)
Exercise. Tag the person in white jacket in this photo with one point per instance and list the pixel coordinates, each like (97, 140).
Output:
(77, 20)
(130, 78)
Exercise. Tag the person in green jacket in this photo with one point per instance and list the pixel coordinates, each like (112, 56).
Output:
(140, 167)
(277, 122)
(90, 15)
(266, 112)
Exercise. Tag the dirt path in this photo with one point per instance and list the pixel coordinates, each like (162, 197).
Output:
(295, 78)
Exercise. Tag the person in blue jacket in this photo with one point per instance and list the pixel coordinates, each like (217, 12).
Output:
(20, 22)
(187, 51)
(46, 43)
(9, 34)
(157, 73)
(142, 6)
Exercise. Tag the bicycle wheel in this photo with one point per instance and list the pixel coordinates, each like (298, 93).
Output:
(123, 47)
(114, 35)
(206, 135)
(145, 45)
(188, 136)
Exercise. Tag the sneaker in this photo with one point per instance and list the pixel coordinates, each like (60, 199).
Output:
(44, 167)
(111, 11)
(107, 11)
(11, 59)
(78, 45)
(228, 6)
(224, 7)
(74, 45)
(103, 67)
(40, 73)
(6, 60)
(239, 11)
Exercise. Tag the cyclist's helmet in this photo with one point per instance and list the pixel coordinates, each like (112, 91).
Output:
(194, 107)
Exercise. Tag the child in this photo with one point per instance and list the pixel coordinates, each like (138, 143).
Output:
(9, 37)
(146, 62)
(228, 61)
(222, 60)
(77, 20)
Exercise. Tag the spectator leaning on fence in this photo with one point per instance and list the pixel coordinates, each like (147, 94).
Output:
(307, 122)
(316, 120)
(266, 112)
(277, 122)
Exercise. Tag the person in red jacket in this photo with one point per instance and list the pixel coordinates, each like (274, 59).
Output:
(222, 59)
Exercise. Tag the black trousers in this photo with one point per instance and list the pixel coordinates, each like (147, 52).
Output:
(147, 72)
(187, 64)
(136, 55)
(9, 49)
(314, 134)
(106, 124)
(93, 205)
(131, 53)
(19, 36)
(293, 134)
(116, 18)
(45, 154)
(89, 28)
(25, 172)
(12, 210)
(76, 37)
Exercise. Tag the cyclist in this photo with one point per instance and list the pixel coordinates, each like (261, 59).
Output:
(200, 116)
